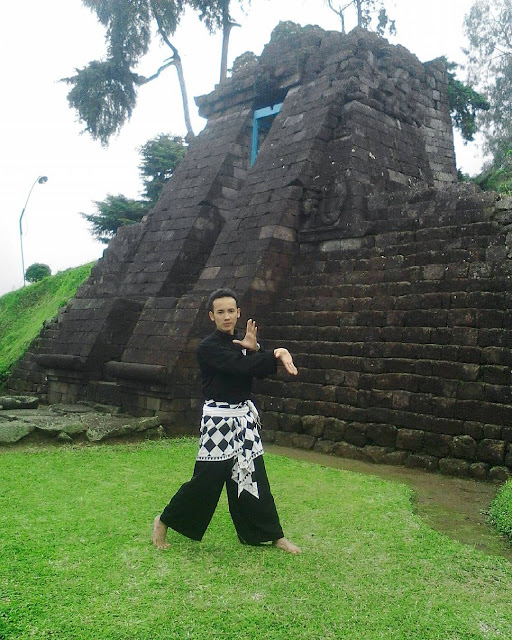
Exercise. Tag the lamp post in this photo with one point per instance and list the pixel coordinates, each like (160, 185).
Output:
(39, 180)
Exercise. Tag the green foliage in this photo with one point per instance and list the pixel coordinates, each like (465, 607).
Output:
(488, 27)
(114, 212)
(23, 312)
(370, 567)
(498, 177)
(104, 93)
(160, 157)
(104, 96)
(37, 271)
(500, 512)
(213, 12)
(465, 103)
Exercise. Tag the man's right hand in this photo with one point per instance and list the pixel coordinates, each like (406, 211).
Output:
(286, 360)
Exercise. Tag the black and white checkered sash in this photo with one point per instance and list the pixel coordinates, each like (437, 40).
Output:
(231, 431)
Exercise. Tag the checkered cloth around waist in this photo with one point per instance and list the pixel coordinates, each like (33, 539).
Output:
(231, 431)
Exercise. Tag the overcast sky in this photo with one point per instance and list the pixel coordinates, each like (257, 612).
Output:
(41, 42)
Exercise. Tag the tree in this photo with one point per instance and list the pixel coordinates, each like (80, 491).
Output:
(215, 14)
(104, 93)
(465, 103)
(160, 157)
(488, 27)
(367, 12)
(37, 271)
(114, 212)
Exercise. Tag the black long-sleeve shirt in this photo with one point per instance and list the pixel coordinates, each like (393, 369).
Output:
(226, 372)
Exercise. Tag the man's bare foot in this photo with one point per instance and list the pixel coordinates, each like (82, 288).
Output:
(286, 545)
(159, 533)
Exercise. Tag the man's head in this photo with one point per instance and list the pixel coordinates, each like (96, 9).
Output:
(223, 310)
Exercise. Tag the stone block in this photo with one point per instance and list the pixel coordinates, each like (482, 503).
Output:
(422, 461)
(289, 422)
(346, 450)
(375, 454)
(437, 444)
(302, 441)
(334, 429)
(396, 458)
(499, 474)
(313, 425)
(464, 447)
(492, 451)
(454, 467)
(475, 430)
(325, 447)
(283, 439)
(409, 440)
(355, 434)
(479, 470)
(383, 435)
(508, 456)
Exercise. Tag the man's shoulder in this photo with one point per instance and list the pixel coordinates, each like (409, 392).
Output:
(209, 339)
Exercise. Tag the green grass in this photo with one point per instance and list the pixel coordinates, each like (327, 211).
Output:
(23, 312)
(500, 512)
(76, 561)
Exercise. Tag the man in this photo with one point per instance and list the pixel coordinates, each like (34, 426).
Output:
(230, 448)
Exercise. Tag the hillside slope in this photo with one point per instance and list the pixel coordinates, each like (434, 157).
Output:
(23, 312)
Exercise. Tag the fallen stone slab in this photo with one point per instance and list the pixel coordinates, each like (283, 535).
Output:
(113, 426)
(12, 431)
(66, 409)
(55, 426)
(19, 402)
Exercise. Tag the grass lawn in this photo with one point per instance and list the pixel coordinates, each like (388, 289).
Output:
(23, 312)
(501, 510)
(76, 560)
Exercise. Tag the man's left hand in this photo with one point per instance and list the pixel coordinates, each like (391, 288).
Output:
(249, 342)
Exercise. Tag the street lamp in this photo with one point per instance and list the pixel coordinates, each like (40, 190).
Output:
(40, 180)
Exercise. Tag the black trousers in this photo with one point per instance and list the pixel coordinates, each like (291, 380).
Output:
(192, 507)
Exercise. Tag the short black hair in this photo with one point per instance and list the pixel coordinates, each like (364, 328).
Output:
(221, 293)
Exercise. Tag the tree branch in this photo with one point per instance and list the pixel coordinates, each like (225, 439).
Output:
(143, 80)
(176, 61)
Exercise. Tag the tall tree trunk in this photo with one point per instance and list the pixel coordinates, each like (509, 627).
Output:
(176, 60)
(184, 96)
(227, 25)
(359, 4)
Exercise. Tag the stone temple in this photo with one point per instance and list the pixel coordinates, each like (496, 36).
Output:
(323, 189)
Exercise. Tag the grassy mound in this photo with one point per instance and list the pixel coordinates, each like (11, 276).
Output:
(500, 512)
(76, 562)
(23, 312)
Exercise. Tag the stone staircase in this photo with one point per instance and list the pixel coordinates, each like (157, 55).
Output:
(402, 338)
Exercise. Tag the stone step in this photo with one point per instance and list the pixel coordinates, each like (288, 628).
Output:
(409, 255)
(490, 319)
(338, 274)
(417, 331)
(397, 352)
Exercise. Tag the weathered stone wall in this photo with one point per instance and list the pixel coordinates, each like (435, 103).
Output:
(402, 337)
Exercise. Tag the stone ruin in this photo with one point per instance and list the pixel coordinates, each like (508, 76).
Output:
(323, 190)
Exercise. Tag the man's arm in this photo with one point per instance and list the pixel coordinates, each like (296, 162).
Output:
(281, 354)
(286, 360)
(223, 358)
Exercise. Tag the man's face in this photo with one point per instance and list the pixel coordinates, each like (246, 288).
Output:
(225, 314)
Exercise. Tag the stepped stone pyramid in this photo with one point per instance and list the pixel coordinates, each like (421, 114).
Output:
(323, 190)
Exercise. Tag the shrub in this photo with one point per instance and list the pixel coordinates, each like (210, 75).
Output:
(37, 271)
